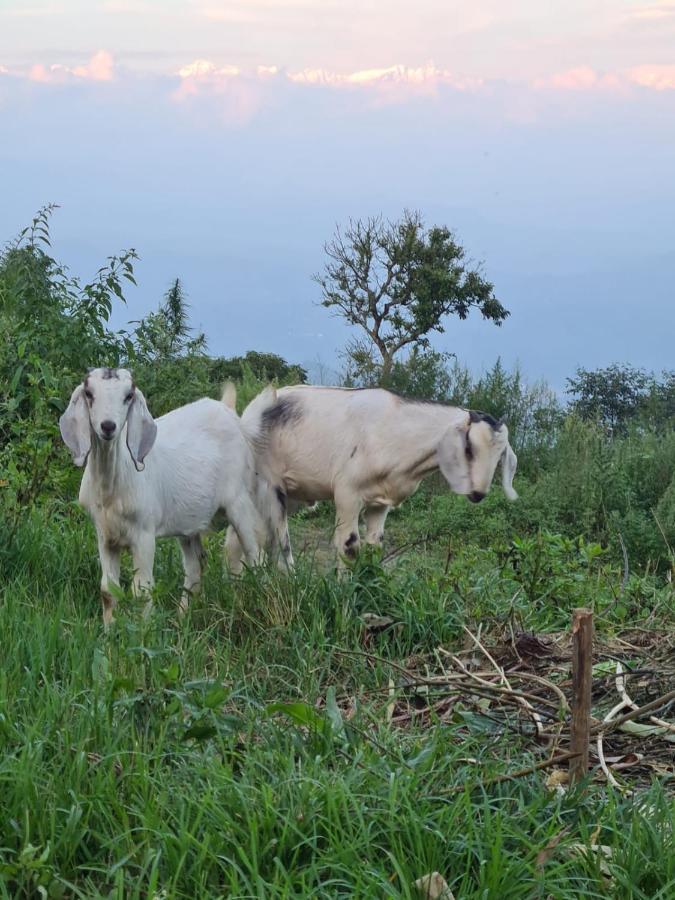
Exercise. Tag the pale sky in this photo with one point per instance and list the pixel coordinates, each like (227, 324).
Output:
(224, 140)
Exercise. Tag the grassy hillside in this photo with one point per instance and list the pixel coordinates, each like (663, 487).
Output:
(279, 741)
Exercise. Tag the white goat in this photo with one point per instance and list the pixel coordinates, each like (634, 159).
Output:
(367, 449)
(200, 463)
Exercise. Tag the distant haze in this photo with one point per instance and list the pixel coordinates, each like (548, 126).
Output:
(225, 140)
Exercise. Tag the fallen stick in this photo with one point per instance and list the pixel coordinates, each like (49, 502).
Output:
(521, 773)
(628, 701)
(607, 727)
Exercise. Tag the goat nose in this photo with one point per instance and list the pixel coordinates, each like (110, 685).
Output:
(108, 428)
(476, 496)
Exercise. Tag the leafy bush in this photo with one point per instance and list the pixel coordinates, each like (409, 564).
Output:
(55, 325)
(51, 323)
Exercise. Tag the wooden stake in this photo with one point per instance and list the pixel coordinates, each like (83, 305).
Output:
(582, 674)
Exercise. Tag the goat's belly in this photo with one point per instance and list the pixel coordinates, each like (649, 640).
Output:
(307, 491)
(184, 529)
(183, 524)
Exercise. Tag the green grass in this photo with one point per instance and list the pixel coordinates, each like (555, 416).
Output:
(148, 763)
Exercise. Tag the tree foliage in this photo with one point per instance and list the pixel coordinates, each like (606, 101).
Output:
(399, 281)
(167, 334)
(264, 366)
(619, 394)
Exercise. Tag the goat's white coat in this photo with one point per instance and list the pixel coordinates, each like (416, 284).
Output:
(159, 478)
(368, 450)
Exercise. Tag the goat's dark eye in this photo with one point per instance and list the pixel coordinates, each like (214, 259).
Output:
(129, 397)
(89, 395)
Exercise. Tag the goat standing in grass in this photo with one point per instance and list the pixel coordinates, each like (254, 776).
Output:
(367, 449)
(198, 462)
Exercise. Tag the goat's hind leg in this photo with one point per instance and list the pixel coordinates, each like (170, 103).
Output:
(346, 537)
(375, 517)
(193, 555)
(245, 519)
(280, 535)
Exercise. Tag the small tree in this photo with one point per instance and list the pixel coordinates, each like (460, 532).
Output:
(169, 358)
(263, 366)
(612, 395)
(398, 281)
(166, 334)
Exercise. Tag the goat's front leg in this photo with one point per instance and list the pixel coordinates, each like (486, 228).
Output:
(193, 554)
(346, 538)
(143, 553)
(375, 517)
(234, 552)
(109, 556)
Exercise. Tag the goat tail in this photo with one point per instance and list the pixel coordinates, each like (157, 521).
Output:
(229, 397)
(252, 417)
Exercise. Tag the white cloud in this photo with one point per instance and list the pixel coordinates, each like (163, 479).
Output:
(390, 84)
(205, 69)
(427, 76)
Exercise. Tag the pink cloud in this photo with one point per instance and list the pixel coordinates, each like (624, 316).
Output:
(658, 78)
(246, 89)
(100, 67)
(581, 78)
(38, 72)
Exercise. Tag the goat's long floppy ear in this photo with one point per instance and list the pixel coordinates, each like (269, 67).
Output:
(509, 464)
(75, 428)
(452, 459)
(141, 430)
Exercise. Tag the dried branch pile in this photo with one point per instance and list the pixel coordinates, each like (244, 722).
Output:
(521, 683)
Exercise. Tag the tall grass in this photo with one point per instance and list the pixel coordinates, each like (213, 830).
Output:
(148, 763)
